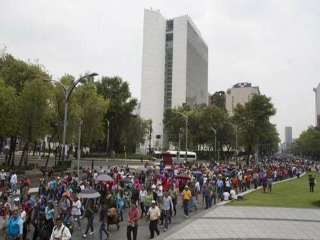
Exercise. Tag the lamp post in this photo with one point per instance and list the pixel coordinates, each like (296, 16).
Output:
(236, 128)
(186, 119)
(67, 90)
(107, 152)
(215, 140)
(79, 145)
(316, 105)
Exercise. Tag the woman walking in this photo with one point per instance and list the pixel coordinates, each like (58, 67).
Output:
(89, 214)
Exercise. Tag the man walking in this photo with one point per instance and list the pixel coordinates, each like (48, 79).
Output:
(133, 217)
(167, 207)
(3, 176)
(153, 215)
(186, 195)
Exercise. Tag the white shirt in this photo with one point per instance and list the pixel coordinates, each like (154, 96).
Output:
(233, 194)
(23, 216)
(154, 213)
(76, 208)
(142, 195)
(14, 179)
(226, 196)
(3, 176)
(57, 233)
(160, 191)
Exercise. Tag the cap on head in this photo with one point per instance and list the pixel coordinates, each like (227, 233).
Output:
(17, 199)
(186, 186)
(153, 201)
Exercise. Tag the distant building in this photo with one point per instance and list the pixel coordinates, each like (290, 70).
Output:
(317, 103)
(174, 68)
(240, 93)
(288, 136)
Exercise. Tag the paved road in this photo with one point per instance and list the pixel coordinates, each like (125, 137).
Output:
(143, 229)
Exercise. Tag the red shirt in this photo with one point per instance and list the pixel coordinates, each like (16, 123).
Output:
(133, 215)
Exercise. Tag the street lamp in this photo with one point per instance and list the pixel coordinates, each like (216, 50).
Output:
(236, 128)
(215, 140)
(67, 90)
(79, 151)
(107, 151)
(186, 119)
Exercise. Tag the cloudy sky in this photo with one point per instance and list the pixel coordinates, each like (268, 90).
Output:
(272, 44)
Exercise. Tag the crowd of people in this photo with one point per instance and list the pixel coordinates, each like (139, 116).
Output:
(149, 193)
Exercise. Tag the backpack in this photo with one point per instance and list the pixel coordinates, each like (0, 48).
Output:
(55, 228)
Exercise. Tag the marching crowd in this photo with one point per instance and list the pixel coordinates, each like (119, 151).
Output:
(58, 208)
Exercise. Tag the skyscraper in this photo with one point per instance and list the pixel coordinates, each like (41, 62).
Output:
(288, 136)
(174, 68)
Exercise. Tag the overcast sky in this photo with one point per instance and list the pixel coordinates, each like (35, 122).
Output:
(272, 44)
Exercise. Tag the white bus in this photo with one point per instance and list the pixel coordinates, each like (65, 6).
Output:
(174, 156)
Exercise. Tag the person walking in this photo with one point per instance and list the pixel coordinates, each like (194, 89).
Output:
(13, 182)
(133, 218)
(147, 200)
(142, 195)
(89, 214)
(174, 196)
(60, 231)
(153, 215)
(76, 210)
(15, 227)
(3, 177)
(186, 195)
(167, 207)
(312, 182)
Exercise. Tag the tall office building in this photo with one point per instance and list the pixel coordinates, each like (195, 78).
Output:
(240, 93)
(288, 136)
(174, 68)
(317, 103)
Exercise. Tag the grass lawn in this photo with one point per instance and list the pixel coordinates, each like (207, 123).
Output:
(292, 193)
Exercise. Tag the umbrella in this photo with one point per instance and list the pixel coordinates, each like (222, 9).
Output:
(160, 176)
(88, 193)
(182, 176)
(126, 180)
(104, 178)
(142, 169)
(197, 172)
(226, 174)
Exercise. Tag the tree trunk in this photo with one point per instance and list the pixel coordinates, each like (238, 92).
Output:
(49, 152)
(13, 143)
(25, 149)
(34, 148)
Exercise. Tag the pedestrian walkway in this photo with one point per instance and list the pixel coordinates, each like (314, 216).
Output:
(230, 222)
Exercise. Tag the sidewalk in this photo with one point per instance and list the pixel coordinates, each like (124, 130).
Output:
(229, 222)
(254, 223)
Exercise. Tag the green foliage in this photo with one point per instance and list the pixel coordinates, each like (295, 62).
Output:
(8, 110)
(16, 72)
(119, 112)
(253, 124)
(218, 99)
(33, 113)
(90, 107)
(308, 143)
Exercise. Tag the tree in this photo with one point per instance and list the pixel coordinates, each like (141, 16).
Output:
(120, 110)
(33, 113)
(251, 120)
(218, 99)
(308, 143)
(16, 72)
